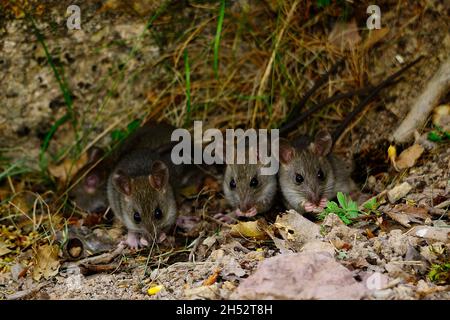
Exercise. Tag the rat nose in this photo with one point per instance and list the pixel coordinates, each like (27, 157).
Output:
(314, 198)
(245, 206)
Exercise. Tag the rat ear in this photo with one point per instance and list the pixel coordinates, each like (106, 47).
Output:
(94, 154)
(287, 152)
(322, 143)
(122, 182)
(159, 176)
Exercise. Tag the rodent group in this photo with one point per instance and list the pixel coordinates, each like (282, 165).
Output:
(140, 184)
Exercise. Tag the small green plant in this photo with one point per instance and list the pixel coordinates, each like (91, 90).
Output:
(371, 206)
(438, 134)
(346, 210)
(440, 273)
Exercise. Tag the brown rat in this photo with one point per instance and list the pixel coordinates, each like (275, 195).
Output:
(89, 193)
(141, 196)
(247, 190)
(311, 175)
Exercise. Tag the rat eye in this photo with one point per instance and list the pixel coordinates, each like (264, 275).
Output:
(299, 178)
(254, 182)
(232, 184)
(158, 213)
(320, 175)
(137, 217)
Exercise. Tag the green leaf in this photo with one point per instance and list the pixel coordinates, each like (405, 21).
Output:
(342, 200)
(345, 219)
(434, 136)
(117, 135)
(323, 3)
(133, 125)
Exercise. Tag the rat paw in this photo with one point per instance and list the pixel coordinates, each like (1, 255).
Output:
(162, 237)
(187, 223)
(225, 218)
(311, 207)
(132, 241)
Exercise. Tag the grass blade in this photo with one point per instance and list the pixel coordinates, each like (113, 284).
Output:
(187, 71)
(70, 115)
(217, 38)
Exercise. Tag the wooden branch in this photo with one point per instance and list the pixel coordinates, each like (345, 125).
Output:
(434, 91)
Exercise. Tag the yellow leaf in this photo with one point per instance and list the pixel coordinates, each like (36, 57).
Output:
(4, 249)
(392, 153)
(46, 263)
(375, 36)
(251, 229)
(154, 290)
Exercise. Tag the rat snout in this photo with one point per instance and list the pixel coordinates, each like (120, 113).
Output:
(246, 205)
(314, 198)
(246, 208)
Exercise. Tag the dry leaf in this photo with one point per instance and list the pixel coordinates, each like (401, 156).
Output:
(441, 117)
(399, 192)
(404, 214)
(374, 37)
(408, 157)
(67, 168)
(251, 229)
(46, 263)
(345, 35)
(212, 278)
(4, 249)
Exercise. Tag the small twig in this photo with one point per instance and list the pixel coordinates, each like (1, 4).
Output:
(442, 205)
(25, 293)
(103, 258)
(195, 247)
(436, 88)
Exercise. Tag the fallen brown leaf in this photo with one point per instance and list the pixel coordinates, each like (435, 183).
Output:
(67, 168)
(404, 214)
(441, 117)
(374, 37)
(4, 249)
(46, 263)
(408, 157)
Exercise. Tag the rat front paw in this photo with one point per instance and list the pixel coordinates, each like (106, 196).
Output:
(133, 241)
(187, 223)
(311, 207)
(225, 218)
